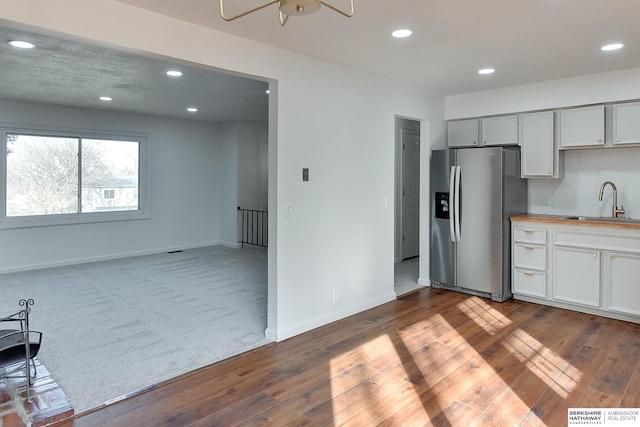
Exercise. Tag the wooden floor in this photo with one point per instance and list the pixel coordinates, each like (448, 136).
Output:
(432, 358)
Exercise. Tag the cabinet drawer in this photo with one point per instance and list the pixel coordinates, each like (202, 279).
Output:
(530, 235)
(530, 256)
(533, 283)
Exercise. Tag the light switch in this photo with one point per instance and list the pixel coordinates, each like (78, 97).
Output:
(288, 210)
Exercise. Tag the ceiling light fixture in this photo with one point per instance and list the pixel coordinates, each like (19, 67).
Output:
(401, 33)
(21, 44)
(486, 71)
(192, 109)
(174, 73)
(106, 98)
(612, 46)
(288, 8)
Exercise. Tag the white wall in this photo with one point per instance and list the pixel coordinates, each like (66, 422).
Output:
(589, 89)
(253, 165)
(228, 177)
(340, 236)
(184, 202)
(585, 170)
(244, 167)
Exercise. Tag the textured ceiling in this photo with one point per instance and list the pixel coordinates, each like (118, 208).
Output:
(525, 40)
(72, 73)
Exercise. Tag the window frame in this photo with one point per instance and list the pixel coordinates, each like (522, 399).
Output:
(79, 217)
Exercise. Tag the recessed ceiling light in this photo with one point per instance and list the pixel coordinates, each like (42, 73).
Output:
(612, 46)
(486, 71)
(174, 73)
(192, 109)
(401, 33)
(106, 98)
(267, 91)
(22, 44)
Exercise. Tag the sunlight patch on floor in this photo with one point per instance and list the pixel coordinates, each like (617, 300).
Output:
(549, 367)
(488, 318)
(357, 391)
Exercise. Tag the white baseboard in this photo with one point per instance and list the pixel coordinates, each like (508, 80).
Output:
(299, 328)
(233, 245)
(109, 257)
(424, 282)
(270, 334)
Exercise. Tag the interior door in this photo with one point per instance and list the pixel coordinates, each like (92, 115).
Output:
(410, 140)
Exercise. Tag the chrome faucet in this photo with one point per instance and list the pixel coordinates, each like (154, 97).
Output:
(615, 211)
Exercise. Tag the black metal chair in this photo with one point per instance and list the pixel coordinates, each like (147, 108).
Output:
(19, 346)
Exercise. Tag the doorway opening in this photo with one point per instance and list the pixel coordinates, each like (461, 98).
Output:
(407, 209)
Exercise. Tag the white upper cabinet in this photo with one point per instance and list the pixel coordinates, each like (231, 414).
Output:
(540, 157)
(582, 127)
(626, 123)
(463, 133)
(502, 130)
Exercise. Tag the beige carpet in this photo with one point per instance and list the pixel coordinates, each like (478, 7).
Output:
(111, 328)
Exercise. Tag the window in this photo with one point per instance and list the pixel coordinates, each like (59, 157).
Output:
(53, 178)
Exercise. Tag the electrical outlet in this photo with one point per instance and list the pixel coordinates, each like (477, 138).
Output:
(335, 296)
(545, 198)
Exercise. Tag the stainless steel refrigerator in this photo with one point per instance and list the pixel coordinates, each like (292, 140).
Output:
(474, 192)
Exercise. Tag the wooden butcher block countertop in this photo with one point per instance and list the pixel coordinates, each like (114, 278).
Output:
(580, 220)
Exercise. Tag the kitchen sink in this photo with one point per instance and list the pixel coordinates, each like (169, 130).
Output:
(603, 219)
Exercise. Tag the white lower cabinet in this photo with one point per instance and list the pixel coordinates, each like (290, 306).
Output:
(594, 269)
(529, 253)
(576, 276)
(623, 277)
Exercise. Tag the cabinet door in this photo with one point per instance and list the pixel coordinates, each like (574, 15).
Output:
(501, 130)
(537, 139)
(462, 133)
(576, 276)
(582, 127)
(626, 123)
(623, 273)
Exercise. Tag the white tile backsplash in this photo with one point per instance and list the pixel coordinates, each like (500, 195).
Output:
(585, 171)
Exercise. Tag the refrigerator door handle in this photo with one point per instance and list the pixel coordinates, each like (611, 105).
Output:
(452, 213)
(456, 203)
